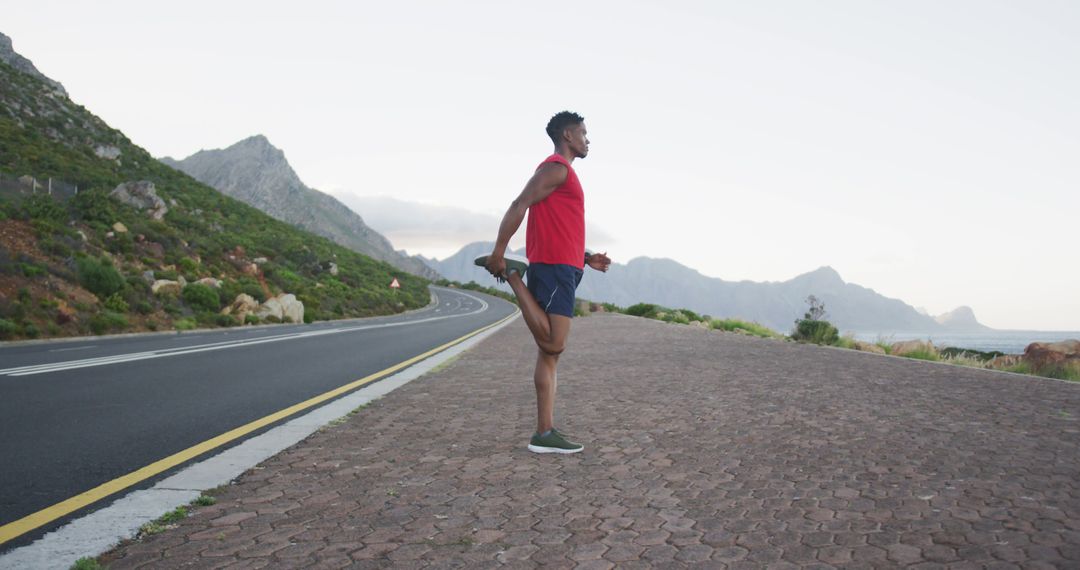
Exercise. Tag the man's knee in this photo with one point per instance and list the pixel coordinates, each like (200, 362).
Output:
(552, 348)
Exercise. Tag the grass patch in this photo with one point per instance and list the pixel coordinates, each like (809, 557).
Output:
(164, 522)
(86, 563)
(846, 341)
(204, 501)
(923, 354)
(741, 326)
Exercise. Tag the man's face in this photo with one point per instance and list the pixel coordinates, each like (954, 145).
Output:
(579, 140)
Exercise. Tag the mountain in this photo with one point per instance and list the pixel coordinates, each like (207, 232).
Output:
(774, 304)
(97, 236)
(20, 63)
(960, 319)
(256, 172)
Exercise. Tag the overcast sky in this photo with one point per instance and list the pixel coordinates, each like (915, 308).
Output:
(927, 150)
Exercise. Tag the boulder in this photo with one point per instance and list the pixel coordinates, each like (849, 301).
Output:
(293, 309)
(242, 306)
(119, 228)
(1052, 354)
(148, 276)
(909, 346)
(210, 282)
(142, 196)
(284, 307)
(166, 286)
(107, 152)
(260, 260)
(333, 268)
(868, 347)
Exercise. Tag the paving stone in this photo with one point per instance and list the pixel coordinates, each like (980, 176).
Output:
(747, 453)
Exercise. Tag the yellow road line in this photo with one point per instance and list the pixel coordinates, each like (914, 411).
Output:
(63, 508)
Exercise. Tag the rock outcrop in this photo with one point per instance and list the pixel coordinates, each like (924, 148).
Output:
(166, 287)
(1041, 355)
(142, 196)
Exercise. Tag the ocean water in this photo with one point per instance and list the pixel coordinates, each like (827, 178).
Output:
(1009, 342)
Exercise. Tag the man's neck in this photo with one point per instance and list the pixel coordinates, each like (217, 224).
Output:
(566, 153)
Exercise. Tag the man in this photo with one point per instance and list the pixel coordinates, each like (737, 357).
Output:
(555, 247)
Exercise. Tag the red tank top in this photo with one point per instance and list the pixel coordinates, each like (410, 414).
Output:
(556, 230)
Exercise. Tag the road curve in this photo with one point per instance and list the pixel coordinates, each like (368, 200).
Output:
(77, 414)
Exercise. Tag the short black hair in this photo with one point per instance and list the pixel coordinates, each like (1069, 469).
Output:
(560, 122)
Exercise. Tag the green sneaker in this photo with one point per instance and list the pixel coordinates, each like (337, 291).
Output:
(553, 442)
(514, 264)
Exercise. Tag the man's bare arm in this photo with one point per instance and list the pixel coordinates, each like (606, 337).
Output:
(546, 179)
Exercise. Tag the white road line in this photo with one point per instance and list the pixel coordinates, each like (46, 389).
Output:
(146, 355)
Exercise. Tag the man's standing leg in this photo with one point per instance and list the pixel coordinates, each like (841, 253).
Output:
(550, 332)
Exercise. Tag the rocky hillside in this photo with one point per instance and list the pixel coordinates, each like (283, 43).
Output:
(126, 243)
(255, 172)
(9, 56)
(773, 304)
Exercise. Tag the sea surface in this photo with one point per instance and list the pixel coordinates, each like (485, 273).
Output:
(1009, 342)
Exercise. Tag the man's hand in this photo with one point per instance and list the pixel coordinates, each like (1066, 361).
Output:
(496, 265)
(598, 261)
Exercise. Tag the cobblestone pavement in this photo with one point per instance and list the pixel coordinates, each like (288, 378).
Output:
(703, 449)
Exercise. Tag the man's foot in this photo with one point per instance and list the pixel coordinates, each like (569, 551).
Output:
(514, 264)
(552, 441)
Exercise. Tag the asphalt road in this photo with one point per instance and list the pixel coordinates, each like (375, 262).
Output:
(77, 414)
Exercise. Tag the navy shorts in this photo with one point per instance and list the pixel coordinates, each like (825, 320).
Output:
(553, 286)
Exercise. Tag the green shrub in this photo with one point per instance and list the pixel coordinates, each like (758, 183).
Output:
(144, 308)
(107, 321)
(99, 276)
(817, 332)
(95, 205)
(29, 330)
(953, 353)
(224, 320)
(32, 269)
(647, 310)
(169, 274)
(813, 327)
(251, 319)
(8, 329)
(185, 324)
(116, 303)
(188, 266)
(201, 297)
(690, 315)
(44, 207)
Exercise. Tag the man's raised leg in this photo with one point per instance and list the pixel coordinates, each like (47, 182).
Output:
(550, 337)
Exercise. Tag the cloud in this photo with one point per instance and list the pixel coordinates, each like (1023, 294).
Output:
(435, 230)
